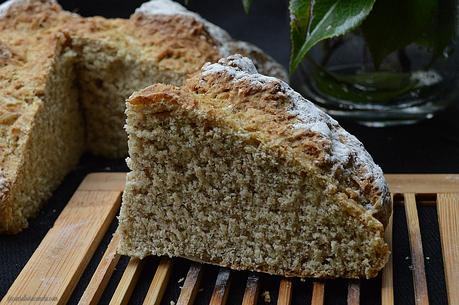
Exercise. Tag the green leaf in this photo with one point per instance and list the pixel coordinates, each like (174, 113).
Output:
(299, 21)
(325, 19)
(247, 4)
(394, 24)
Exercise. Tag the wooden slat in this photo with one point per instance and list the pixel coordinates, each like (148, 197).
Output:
(221, 289)
(101, 276)
(252, 290)
(55, 267)
(159, 283)
(191, 285)
(127, 283)
(285, 292)
(318, 292)
(103, 182)
(417, 255)
(448, 219)
(387, 288)
(353, 293)
(423, 183)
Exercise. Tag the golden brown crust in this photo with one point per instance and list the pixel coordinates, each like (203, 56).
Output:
(192, 44)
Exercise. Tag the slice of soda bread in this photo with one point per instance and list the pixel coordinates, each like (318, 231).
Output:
(234, 168)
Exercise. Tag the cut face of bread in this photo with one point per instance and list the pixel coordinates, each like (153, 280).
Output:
(44, 142)
(236, 169)
(64, 80)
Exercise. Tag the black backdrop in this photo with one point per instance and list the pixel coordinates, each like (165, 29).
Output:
(429, 147)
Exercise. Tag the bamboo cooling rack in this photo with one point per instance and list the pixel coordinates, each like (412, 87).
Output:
(56, 266)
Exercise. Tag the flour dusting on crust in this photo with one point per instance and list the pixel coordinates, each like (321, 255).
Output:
(3, 185)
(6, 6)
(344, 146)
(169, 7)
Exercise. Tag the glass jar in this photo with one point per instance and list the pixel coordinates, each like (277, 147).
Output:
(365, 77)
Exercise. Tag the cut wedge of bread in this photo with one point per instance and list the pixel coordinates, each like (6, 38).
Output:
(234, 168)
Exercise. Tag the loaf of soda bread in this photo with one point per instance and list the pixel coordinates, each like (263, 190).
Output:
(64, 80)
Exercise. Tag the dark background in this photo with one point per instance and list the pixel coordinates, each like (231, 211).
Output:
(429, 147)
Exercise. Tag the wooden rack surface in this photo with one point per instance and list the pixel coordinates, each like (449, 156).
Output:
(56, 266)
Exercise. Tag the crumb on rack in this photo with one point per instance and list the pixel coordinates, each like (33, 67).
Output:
(266, 296)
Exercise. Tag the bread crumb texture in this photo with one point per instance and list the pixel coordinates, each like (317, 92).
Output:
(64, 80)
(234, 168)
